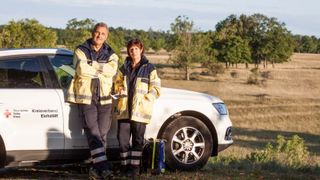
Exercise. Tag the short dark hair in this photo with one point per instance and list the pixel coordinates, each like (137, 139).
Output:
(135, 42)
(100, 24)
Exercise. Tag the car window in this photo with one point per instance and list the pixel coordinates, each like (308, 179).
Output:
(21, 73)
(62, 66)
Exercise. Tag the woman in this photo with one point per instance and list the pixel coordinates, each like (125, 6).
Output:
(139, 85)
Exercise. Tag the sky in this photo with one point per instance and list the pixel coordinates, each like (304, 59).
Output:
(300, 17)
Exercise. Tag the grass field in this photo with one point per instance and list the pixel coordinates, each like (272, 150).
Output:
(285, 101)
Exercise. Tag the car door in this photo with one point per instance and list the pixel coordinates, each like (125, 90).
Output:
(64, 72)
(75, 136)
(31, 121)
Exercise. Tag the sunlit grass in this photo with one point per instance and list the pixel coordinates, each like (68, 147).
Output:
(288, 103)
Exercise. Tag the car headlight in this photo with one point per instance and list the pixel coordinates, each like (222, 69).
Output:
(221, 108)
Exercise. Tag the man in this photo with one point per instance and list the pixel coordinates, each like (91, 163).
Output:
(96, 65)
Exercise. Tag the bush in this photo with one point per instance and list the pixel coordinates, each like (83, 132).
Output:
(290, 153)
(204, 73)
(234, 74)
(253, 79)
(263, 156)
(265, 74)
(285, 156)
(214, 68)
(254, 76)
(258, 78)
(195, 76)
(295, 152)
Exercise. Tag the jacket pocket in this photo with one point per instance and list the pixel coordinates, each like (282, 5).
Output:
(145, 106)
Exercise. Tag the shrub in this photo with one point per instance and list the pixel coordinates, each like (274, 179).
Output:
(194, 76)
(255, 70)
(253, 79)
(258, 78)
(204, 73)
(295, 151)
(265, 74)
(234, 74)
(263, 156)
(290, 153)
(254, 76)
(285, 156)
(214, 68)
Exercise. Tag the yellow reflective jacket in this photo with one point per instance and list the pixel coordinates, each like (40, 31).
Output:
(104, 67)
(146, 91)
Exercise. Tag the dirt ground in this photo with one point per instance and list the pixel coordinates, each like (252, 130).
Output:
(69, 171)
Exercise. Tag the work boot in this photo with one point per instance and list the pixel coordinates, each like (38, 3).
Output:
(94, 174)
(123, 170)
(134, 171)
(106, 174)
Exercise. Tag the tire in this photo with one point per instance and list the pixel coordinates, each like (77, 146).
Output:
(189, 144)
(2, 153)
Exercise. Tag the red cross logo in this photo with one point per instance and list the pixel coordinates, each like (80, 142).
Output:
(7, 113)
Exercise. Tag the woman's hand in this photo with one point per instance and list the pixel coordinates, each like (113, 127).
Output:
(121, 91)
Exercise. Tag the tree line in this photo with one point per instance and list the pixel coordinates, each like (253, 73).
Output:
(245, 39)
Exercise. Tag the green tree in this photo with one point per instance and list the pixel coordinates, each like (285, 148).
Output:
(61, 34)
(227, 27)
(279, 45)
(144, 37)
(231, 41)
(298, 47)
(157, 40)
(77, 31)
(258, 40)
(318, 45)
(308, 44)
(189, 45)
(1, 28)
(264, 38)
(237, 50)
(158, 43)
(27, 33)
(140, 34)
(272, 41)
(116, 41)
(233, 50)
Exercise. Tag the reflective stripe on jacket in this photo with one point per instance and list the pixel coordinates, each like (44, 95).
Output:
(86, 70)
(147, 89)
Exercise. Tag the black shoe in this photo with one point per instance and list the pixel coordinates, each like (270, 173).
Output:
(134, 171)
(123, 171)
(106, 174)
(94, 174)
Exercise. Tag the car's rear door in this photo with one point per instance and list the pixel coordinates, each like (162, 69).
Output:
(31, 121)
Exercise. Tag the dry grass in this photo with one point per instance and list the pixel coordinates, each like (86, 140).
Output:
(287, 102)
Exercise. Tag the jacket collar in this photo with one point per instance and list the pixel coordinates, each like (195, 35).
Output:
(128, 61)
(88, 45)
(105, 50)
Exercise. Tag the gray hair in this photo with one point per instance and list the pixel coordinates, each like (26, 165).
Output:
(100, 24)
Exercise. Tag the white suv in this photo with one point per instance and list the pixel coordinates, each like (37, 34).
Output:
(37, 124)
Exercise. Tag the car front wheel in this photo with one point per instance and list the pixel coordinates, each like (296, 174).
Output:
(189, 143)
